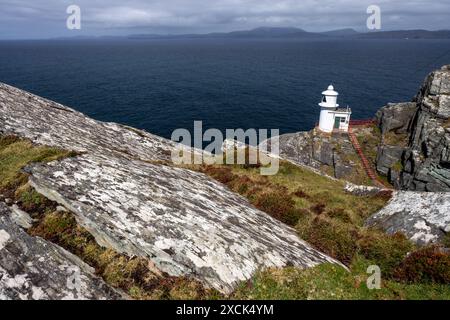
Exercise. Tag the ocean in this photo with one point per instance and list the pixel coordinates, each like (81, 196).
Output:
(162, 85)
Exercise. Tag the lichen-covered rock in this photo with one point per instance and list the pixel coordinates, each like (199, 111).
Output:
(425, 161)
(424, 217)
(185, 222)
(316, 151)
(396, 117)
(361, 190)
(297, 147)
(49, 123)
(34, 269)
(387, 157)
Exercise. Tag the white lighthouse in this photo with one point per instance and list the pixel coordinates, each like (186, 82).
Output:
(333, 118)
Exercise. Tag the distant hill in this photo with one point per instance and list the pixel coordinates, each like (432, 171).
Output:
(262, 32)
(341, 33)
(268, 32)
(406, 34)
(289, 33)
(265, 32)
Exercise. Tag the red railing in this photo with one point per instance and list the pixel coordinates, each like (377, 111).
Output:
(356, 123)
(364, 122)
(371, 173)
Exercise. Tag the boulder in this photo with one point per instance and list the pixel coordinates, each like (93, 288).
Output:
(299, 148)
(387, 157)
(315, 150)
(423, 217)
(396, 117)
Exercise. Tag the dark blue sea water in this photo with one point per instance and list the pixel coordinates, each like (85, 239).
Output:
(162, 85)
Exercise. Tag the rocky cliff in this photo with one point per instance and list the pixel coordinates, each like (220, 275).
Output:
(411, 148)
(182, 221)
(415, 150)
(414, 154)
(330, 155)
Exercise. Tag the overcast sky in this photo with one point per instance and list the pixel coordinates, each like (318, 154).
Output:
(47, 18)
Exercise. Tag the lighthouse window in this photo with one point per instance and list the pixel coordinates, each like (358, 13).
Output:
(324, 99)
(342, 119)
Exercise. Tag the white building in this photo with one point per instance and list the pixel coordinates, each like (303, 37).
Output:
(331, 116)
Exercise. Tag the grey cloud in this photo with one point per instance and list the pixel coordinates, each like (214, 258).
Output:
(46, 18)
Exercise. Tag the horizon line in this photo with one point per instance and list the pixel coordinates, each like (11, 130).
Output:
(67, 37)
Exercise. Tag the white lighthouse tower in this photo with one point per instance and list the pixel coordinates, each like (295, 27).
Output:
(333, 118)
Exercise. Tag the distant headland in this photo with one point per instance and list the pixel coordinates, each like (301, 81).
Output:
(285, 33)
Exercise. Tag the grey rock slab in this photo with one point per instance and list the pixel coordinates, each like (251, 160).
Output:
(341, 168)
(424, 217)
(361, 190)
(185, 222)
(34, 269)
(49, 123)
(21, 218)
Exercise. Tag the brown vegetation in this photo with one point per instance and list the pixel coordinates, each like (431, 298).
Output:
(427, 265)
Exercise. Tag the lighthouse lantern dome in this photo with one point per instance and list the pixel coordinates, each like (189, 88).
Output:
(329, 98)
(330, 92)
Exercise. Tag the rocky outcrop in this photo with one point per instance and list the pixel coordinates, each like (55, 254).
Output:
(423, 162)
(387, 157)
(395, 120)
(185, 222)
(32, 268)
(396, 117)
(424, 217)
(319, 152)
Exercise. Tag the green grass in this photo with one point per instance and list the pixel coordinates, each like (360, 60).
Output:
(398, 166)
(134, 275)
(396, 139)
(446, 240)
(332, 221)
(331, 282)
(291, 180)
(446, 123)
(321, 211)
(17, 153)
(324, 214)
